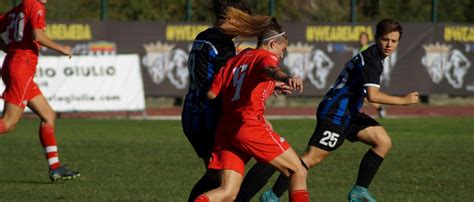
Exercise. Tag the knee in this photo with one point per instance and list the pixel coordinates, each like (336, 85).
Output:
(299, 171)
(314, 161)
(311, 159)
(9, 126)
(384, 143)
(50, 118)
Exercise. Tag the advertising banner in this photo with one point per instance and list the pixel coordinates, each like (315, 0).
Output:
(91, 83)
(431, 57)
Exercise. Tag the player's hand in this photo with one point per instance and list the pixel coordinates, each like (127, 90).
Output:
(412, 98)
(67, 51)
(281, 88)
(295, 83)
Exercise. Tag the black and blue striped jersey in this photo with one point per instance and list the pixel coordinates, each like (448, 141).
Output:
(346, 96)
(210, 51)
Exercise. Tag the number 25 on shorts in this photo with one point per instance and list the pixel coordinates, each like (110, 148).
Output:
(329, 139)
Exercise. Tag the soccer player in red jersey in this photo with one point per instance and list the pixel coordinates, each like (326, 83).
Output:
(25, 26)
(244, 85)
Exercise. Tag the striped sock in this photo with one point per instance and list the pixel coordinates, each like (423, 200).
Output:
(49, 144)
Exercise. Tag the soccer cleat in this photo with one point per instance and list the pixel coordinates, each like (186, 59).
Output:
(62, 173)
(269, 196)
(360, 194)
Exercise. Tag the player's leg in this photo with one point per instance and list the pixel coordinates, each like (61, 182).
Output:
(312, 157)
(16, 86)
(10, 117)
(209, 181)
(326, 138)
(202, 140)
(41, 107)
(230, 162)
(290, 165)
(255, 180)
(267, 146)
(378, 138)
(369, 132)
(256, 177)
(227, 191)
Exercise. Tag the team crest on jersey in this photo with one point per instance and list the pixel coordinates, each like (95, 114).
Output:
(442, 62)
(162, 61)
(306, 62)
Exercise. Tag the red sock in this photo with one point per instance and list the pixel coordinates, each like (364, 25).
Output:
(3, 126)
(299, 196)
(49, 144)
(202, 198)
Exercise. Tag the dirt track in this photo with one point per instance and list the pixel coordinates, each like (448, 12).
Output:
(392, 111)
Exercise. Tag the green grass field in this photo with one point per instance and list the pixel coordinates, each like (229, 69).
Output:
(432, 160)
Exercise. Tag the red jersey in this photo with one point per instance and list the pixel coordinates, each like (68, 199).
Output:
(244, 86)
(19, 23)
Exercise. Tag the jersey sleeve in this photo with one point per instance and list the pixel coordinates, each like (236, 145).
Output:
(217, 82)
(37, 15)
(267, 61)
(371, 72)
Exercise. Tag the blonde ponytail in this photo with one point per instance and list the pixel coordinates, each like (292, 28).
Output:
(239, 23)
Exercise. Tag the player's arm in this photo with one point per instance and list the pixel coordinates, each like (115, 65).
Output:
(374, 95)
(281, 88)
(279, 75)
(41, 37)
(216, 85)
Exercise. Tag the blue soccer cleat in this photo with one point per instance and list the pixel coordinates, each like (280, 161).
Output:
(62, 173)
(360, 194)
(269, 196)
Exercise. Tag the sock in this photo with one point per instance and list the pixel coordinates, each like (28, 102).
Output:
(299, 196)
(368, 168)
(281, 185)
(202, 198)
(254, 181)
(48, 140)
(204, 184)
(3, 126)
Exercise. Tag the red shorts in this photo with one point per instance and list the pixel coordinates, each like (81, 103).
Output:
(236, 143)
(18, 71)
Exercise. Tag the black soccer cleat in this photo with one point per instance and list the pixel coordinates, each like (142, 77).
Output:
(62, 173)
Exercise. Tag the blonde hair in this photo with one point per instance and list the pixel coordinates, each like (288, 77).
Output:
(239, 23)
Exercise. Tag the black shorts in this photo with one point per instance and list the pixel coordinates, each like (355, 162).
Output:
(199, 128)
(329, 136)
